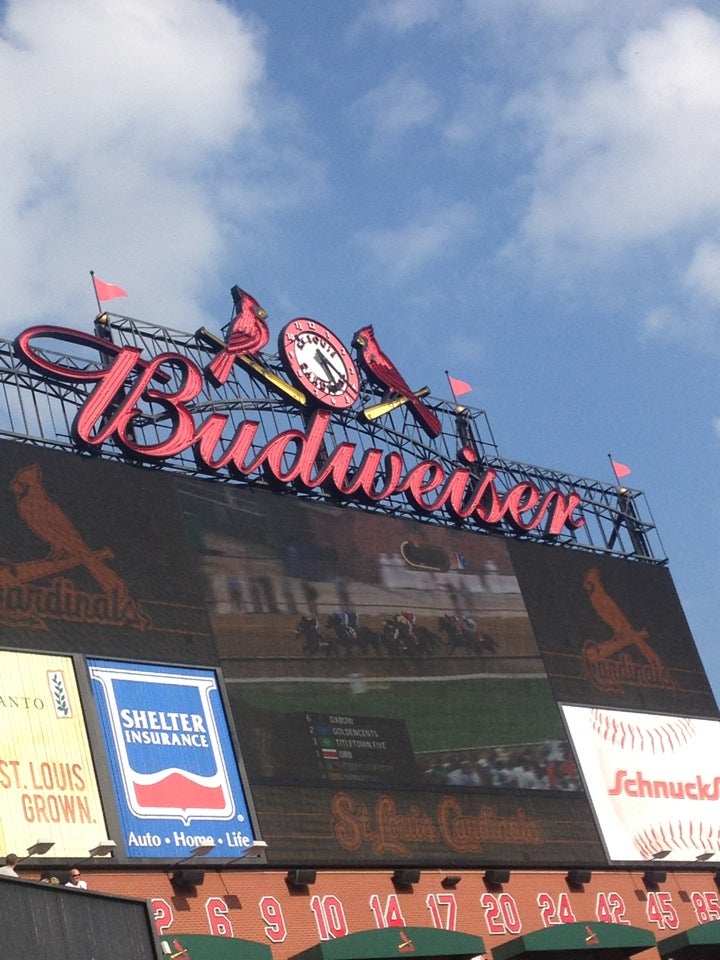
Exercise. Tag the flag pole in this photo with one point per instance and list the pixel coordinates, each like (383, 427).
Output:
(612, 467)
(92, 276)
(452, 391)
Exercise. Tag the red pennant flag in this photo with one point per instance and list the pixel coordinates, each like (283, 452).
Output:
(107, 291)
(458, 387)
(620, 469)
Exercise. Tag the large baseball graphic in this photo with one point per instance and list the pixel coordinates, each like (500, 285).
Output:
(659, 776)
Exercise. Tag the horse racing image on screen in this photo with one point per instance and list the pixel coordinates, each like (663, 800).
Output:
(389, 672)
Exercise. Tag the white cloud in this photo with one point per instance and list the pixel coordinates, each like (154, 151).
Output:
(399, 105)
(693, 318)
(403, 15)
(630, 155)
(127, 128)
(664, 323)
(703, 273)
(474, 112)
(428, 237)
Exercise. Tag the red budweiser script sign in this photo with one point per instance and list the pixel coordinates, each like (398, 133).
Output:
(323, 380)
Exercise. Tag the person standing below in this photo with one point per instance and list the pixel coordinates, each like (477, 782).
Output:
(9, 869)
(75, 880)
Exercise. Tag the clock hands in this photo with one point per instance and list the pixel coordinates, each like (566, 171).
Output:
(334, 375)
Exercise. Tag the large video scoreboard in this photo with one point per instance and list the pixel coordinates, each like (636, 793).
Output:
(355, 688)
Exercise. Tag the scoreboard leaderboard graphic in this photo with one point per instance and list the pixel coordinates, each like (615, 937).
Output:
(174, 771)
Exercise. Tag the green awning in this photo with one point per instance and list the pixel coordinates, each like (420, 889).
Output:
(698, 943)
(204, 946)
(591, 941)
(413, 942)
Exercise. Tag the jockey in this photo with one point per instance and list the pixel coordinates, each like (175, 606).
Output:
(347, 621)
(406, 625)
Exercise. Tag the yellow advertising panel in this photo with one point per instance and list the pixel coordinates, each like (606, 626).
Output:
(48, 789)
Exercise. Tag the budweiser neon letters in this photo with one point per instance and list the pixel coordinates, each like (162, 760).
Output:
(303, 457)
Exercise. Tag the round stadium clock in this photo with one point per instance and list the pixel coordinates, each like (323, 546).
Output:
(319, 363)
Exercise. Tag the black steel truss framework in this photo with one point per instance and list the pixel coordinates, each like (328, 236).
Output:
(38, 410)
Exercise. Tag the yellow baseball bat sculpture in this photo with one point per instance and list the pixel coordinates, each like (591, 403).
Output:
(276, 382)
(380, 409)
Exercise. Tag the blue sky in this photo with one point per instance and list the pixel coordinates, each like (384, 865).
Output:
(523, 192)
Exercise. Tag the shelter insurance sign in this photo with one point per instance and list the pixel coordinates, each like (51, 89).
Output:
(653, 780)
(174, 770)
(47, 780)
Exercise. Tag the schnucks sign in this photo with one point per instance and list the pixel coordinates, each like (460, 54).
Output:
(323, 380)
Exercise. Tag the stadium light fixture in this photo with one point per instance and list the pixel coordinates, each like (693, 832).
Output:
(252, 852)
(255, 849)
(578, 878)
(406, 876)
(37, 849)
(496, 876)
(651, 878)
(189, 878)
(103, 849)
(202, 850)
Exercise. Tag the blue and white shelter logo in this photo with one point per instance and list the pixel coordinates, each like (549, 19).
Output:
(171, 758)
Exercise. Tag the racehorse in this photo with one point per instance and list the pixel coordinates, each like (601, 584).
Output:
(464, 632)
(392, 637)
(427, 640)
(308, 630)
(402, 635)
(343, 627)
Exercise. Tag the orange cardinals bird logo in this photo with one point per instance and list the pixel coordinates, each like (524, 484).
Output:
(49, 523)
(602, 664)
(21, 598)
(624, 635)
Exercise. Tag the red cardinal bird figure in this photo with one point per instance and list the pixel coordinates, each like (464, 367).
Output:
(248, 334)
(381, 368)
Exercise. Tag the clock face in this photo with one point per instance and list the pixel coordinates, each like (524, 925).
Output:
(319, 363)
